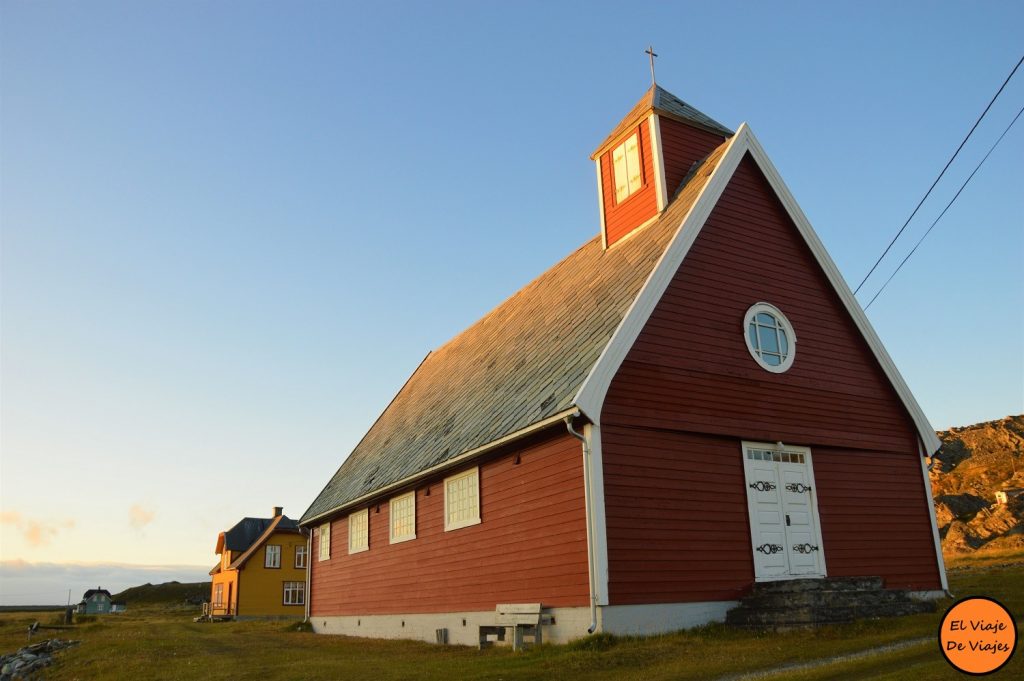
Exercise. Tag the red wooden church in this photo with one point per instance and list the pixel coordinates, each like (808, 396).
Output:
(690, 403)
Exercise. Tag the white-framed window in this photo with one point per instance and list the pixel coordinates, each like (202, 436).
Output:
(462, 500)
(359, 531)
(770, 337)
(627, 171)
(770, 455)
(273, 556)
(402, 516)
(294, 593)
(300, 556)
(324, 540)
(218, 595)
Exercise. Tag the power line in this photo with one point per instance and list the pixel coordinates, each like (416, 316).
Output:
(946, 208)
(948, 163)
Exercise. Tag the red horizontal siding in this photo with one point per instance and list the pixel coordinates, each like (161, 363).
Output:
(622, 218)
(874, 518)
(682, 146)
(690, 370)
(529, 547)
(688, 392)
(677, 525)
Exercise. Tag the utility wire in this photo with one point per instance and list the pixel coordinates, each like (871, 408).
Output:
(948, 163)
(978, 167)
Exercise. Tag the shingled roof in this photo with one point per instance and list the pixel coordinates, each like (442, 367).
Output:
(247, 530)
(522, 363)
(91, 592)
(663, 102)
(281, 523)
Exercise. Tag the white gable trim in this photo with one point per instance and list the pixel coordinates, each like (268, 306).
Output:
(591, 395)
(928, 436)
(940, 561)
(658, 161)
(600, 202)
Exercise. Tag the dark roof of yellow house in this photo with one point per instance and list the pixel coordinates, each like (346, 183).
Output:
(280, 523)
(241, 536)
(248, 534)
(522, 363)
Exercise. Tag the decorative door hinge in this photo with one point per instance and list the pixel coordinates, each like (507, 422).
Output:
(769, 549)
(762, 486)
(798, 487)
(804, 548)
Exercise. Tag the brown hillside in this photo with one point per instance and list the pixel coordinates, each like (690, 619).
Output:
(973, 464)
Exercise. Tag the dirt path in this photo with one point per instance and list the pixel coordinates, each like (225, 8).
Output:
(828, 661)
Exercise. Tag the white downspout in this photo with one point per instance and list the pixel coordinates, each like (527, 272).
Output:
(309, 572)
(588, 500)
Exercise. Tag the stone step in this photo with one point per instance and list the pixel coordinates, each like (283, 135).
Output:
(796, 617)
(814, 602)
(845, 612)
(822, 598)
(821, 584)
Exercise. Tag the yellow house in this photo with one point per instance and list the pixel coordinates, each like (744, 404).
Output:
(262, 569)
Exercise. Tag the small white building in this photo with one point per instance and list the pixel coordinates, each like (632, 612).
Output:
(1004, 496)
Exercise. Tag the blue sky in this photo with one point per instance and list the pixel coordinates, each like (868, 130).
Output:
(230, 230)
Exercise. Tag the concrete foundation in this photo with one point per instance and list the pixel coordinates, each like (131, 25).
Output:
(569, 623)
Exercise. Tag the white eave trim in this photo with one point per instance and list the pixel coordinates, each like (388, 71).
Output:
(445, 465)
(658, 159)
(600, 202)
(591, 395)
(927, 432)
(940, 561)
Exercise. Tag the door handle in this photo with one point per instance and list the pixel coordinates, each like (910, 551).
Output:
(787, 520)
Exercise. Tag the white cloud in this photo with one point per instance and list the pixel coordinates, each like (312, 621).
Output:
(35, 532)
(139, 517)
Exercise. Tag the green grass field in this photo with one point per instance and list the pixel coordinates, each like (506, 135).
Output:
(166, 644)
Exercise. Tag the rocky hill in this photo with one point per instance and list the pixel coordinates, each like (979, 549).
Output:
(973, 464)
(168, 593)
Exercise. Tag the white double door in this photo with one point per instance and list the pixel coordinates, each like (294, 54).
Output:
(784, 529)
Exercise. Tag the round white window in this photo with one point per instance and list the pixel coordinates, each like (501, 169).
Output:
(770, 337)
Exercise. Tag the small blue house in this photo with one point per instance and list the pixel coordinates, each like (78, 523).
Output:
(95, 602)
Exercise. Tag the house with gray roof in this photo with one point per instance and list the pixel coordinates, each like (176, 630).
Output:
(689, 405)
(95, 602)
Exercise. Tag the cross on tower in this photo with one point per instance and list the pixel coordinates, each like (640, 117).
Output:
(650, 51)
